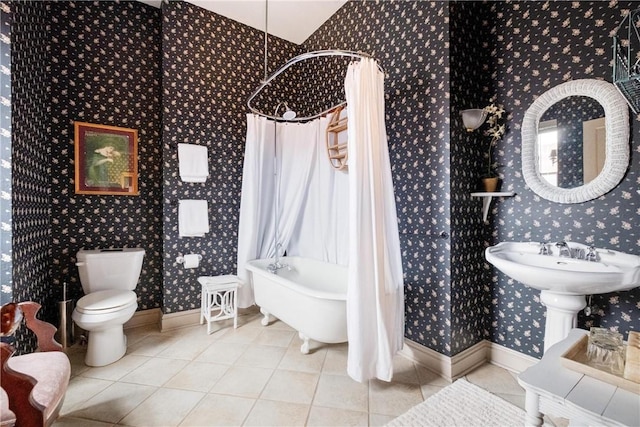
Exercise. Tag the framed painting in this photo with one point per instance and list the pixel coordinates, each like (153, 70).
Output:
(106, 160)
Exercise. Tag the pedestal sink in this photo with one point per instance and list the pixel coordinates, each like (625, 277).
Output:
(564, 281)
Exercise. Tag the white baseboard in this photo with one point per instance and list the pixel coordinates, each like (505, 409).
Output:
(430, 359)
(510, 359)
(449, 368)
(144, 318)
(452, 368)
(469, 359)
(181, 319)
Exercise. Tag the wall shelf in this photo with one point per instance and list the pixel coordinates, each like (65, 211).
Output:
(486, 200)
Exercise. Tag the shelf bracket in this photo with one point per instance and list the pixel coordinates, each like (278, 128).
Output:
(487, 198)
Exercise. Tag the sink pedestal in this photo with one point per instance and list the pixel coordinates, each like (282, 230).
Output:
(562, 315)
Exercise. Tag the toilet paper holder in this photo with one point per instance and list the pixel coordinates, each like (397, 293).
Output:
(180, 259)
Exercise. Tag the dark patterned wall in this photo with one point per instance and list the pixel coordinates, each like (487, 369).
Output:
(206, 85)
(471, 87)
(453, 298)
(410, 39)
(31, 155)
(105, 69)
(539, 45)
(439, 57)
(6, 264)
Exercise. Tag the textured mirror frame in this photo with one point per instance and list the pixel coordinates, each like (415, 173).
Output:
(616, 162)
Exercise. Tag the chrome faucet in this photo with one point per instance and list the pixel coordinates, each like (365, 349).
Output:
(276, 264)
(563, 249)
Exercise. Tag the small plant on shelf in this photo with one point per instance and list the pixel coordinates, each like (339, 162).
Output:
(496, 116)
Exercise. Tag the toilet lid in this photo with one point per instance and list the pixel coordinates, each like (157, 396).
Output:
(106, 301)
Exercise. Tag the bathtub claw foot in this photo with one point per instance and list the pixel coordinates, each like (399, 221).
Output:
(304, 348)
(266, 319)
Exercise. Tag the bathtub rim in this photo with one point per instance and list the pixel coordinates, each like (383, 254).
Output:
(258, 266)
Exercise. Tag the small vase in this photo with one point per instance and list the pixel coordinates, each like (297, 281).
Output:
(490, 185)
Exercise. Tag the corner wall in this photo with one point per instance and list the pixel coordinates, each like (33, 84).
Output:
(411, 40)
(206, 85)
(471, 87)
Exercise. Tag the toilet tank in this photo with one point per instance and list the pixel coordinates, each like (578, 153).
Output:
(104, 269)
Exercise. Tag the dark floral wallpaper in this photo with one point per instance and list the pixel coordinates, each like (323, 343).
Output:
(6, 264)
(31, 154)
(471, 87)
(105, 69)
(466, 55)
(184, 74)
(410, 40)
(538, 45)
(205, 90)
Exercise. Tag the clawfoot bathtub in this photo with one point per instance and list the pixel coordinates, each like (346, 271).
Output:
(310, 297)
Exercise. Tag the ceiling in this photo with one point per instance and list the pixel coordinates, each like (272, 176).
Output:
(292, 20)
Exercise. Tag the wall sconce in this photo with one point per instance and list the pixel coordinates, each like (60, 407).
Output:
(553, 156)
(473, 118)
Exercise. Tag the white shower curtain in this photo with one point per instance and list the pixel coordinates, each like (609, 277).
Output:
(256, 228)
(322, 232)
(296, 154)
(375, 296)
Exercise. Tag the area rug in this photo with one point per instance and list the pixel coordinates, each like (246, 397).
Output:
(461, 404)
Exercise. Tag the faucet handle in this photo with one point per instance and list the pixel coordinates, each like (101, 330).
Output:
(561, 244)
(544, 249)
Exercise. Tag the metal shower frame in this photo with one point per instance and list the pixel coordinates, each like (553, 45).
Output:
(291, 62)
(300, 58)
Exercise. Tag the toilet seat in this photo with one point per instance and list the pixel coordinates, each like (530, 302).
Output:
(104, 302)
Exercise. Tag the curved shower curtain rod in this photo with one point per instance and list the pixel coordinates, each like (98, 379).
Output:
(295, 60)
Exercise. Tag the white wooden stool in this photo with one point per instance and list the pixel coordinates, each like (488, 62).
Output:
(219, 299)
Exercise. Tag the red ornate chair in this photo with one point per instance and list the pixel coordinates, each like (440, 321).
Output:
(34, 384)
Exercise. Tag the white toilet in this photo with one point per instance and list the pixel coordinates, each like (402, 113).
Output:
(108, 277)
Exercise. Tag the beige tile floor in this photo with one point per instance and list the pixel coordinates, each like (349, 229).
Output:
(251, 376)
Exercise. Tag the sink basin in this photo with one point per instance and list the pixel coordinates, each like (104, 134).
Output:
(613, 272)
(563, 282)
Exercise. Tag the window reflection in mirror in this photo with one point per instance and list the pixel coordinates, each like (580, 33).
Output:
(571, 142)
(548, 151)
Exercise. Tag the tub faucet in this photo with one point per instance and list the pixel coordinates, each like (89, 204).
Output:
(564, 250)
(276, 264)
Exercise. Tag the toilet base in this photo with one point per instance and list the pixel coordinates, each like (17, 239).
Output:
(105, 346)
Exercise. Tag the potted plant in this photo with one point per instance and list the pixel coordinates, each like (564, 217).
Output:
(496, 131)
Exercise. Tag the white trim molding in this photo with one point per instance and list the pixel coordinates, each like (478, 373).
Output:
(144, 318)
(452, 368)
(181, 319)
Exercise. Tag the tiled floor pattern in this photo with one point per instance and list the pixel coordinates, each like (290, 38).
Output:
(251, 376)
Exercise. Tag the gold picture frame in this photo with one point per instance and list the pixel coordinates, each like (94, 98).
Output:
(106, 160)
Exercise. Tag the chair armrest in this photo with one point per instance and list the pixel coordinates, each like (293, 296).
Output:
(44, 331)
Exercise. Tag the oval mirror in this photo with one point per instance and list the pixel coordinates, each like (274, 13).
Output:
(575, 141)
